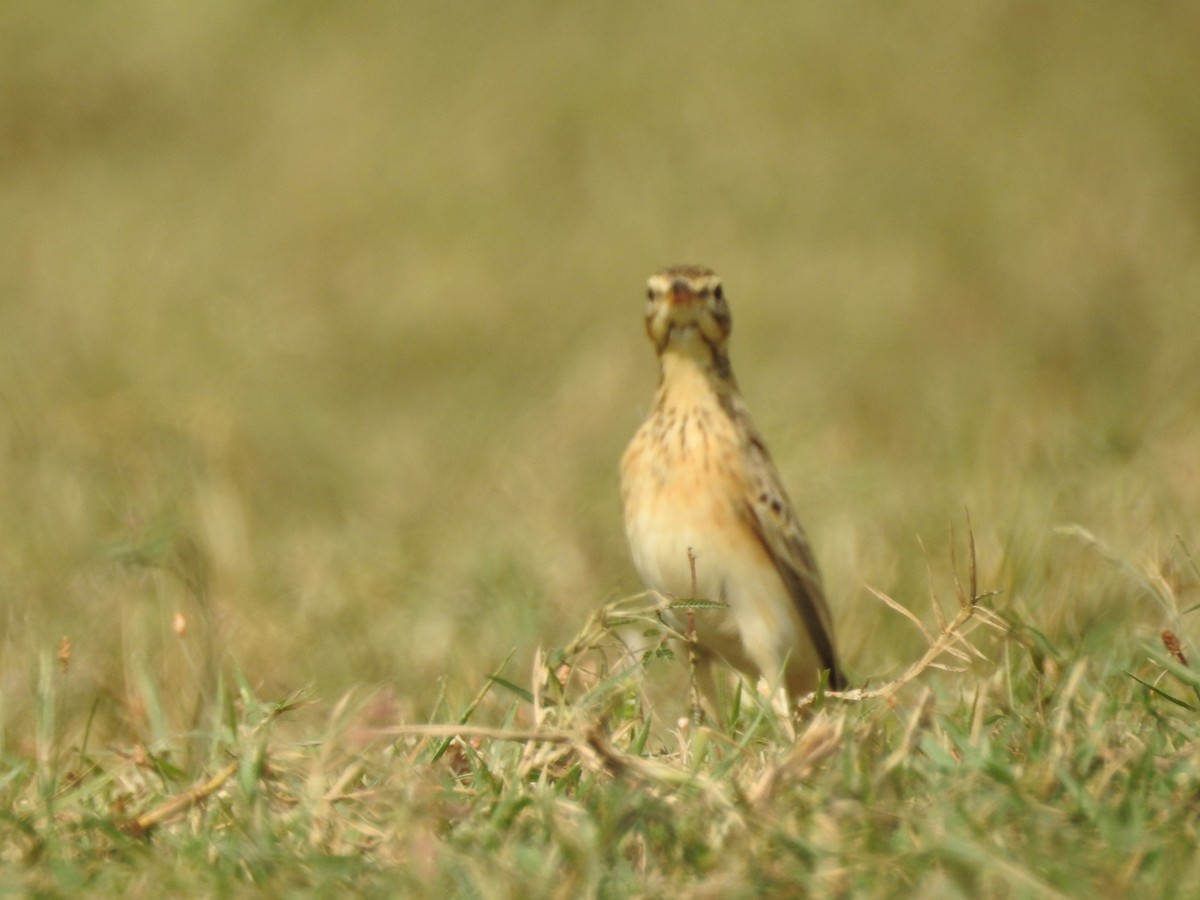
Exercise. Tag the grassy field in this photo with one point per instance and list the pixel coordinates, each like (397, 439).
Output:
(320, 340)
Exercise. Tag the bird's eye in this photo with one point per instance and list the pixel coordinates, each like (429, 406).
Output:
(650, 294)
(718, 293)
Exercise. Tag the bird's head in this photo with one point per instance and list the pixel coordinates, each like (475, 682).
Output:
(686, 311)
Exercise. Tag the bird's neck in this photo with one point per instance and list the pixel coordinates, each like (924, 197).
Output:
(696, 370)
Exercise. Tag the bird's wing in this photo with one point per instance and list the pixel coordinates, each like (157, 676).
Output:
(774, 521)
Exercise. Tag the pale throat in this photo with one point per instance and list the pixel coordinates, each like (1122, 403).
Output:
(691, 365)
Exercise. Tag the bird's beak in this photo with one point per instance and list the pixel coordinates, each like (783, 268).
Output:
(679, 293)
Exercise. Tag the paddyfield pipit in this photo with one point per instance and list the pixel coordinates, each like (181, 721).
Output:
(705, 512)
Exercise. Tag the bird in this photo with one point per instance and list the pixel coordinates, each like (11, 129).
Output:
(706, 513)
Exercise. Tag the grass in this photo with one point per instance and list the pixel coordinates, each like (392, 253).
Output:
(319, 343)
(1043, 774)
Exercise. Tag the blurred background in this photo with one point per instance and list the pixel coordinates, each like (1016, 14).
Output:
(320, 323)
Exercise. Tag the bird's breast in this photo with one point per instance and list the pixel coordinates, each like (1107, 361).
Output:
(683, 488)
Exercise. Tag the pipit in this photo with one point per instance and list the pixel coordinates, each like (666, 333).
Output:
(705, 512)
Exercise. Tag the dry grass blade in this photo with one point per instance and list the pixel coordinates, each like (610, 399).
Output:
(951, 639)
(1107, 552)
(147, 822)
(904, 611)
(938, 615)
(821, 738)
(920, 716)
(482, 731)
(941, 644)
